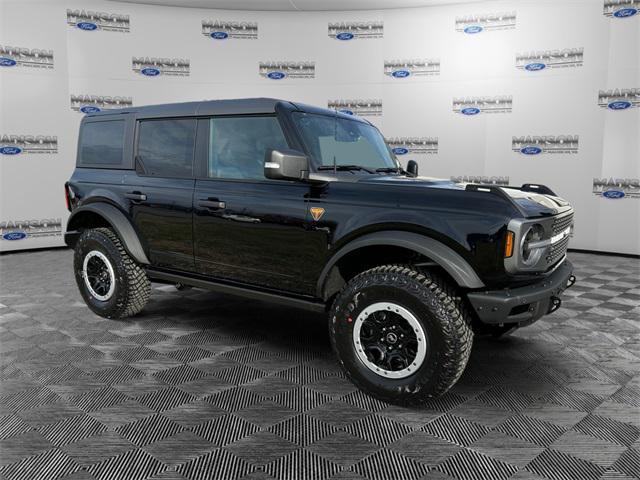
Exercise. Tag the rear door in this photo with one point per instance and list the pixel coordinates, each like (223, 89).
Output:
(160, 191)
(248, 228)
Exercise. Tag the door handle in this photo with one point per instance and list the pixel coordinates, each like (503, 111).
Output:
(136, 196)
(211, 203)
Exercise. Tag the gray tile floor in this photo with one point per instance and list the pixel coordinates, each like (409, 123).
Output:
(202, 386)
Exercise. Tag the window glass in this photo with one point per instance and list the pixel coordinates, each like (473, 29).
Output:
(237, 146)
(101, 143)
(333, 139)
(165, 147)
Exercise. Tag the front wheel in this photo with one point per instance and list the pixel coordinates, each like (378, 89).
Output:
(400, 334)
(110, 281)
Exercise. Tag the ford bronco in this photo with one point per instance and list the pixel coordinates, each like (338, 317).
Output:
(280, 201)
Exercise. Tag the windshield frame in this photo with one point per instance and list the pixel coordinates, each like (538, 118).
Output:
(316, 163)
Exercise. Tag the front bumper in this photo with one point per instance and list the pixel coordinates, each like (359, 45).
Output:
(523, 305)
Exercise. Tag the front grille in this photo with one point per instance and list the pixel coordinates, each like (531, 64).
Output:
(561, 223)
(559, 249)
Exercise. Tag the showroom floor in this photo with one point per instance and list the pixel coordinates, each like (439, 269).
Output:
(202, 386)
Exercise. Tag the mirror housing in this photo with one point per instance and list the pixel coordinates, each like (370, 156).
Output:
(412, 167)
(286, 165)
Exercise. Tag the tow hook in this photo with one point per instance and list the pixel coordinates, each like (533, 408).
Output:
(571, 281)
(554, 304)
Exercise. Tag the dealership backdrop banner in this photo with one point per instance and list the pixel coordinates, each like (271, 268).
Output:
(492, 92)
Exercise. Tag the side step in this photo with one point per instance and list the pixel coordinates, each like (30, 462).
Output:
(226, 288)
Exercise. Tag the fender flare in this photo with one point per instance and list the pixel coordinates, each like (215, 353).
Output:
(120, 224)
(448, 259)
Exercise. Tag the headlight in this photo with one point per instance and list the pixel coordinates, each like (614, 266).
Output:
(532, 247)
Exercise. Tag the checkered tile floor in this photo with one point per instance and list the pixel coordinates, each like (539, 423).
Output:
(202, 386)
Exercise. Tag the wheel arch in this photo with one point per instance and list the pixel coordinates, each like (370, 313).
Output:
(102, 214)
(444, 257)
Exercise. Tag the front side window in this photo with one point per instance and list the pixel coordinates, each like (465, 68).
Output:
(237, 146)
(332, 139)
(165, 147)
(101, 143)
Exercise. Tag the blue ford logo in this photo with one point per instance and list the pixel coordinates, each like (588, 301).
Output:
(613, 194)
(401, 73)
(88, 26)
(619, 105)
(219, 35)
(7, 62)
(276, 75)
(345, 36)
(346, 111)
(150, 72)
(531, 150)
(535, 67)
(18, 235)
(10, 150)
(400, 150)
(473, 29)
(625, 12)
(89, 109)
(470, 111)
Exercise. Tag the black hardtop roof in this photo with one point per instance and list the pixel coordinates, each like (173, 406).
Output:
(236, 106)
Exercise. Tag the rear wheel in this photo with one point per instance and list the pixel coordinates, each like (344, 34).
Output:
(110, 281)
(400, 334)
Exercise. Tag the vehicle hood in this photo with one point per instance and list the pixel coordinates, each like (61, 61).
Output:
(531, 204)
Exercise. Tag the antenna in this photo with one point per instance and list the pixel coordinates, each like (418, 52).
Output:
(335, 138)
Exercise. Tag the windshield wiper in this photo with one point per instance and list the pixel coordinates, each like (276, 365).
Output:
(345, 168)
(389, 170)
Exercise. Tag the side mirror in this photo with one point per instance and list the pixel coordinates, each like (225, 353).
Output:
(286, 165)
(412, 167)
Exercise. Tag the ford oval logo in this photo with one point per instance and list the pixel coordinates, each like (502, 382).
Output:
(531, 150)
(14, 235)
(470, 111)
(89, 109)
(625, 12)
(535, 67)
(10, 150)
(619, 105)
(614, 194)
(346, 111)
(87, 26)
(473, 29)
(7, 62)
(150, 72)
(400, 150)
(345, 36)
(401, 73)
(219, 35)
(276, 75)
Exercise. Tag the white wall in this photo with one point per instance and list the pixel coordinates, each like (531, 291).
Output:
(549, 102)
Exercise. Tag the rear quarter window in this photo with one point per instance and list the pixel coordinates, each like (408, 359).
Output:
(102, 143)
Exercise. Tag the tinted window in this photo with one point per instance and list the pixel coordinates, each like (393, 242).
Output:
(237, 146)
(165, 147)
(101, 143)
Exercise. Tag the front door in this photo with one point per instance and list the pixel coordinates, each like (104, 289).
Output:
(248, 228)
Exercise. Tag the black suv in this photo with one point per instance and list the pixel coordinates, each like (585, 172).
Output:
(286, 202)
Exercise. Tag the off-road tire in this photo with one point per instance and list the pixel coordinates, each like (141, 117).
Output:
(132, 286)
(435, 305)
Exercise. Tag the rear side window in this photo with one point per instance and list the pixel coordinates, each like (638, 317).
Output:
(237, 146)
(165, 147)
(101, 143)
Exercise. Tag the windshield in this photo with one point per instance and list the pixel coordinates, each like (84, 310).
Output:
(343, 142)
